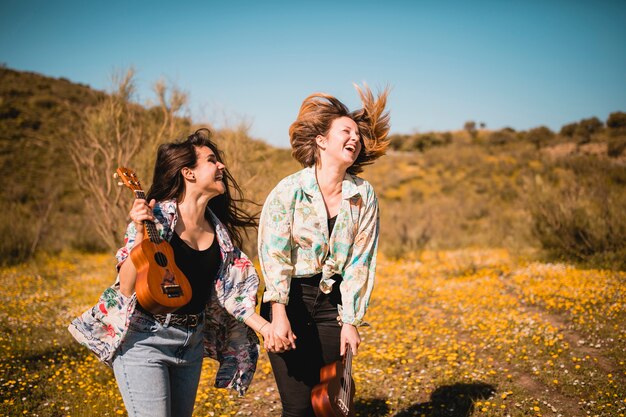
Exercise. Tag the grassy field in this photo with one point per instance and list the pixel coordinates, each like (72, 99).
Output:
(457, 333)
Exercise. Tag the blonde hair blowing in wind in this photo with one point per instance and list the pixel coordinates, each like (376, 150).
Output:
(319, 110)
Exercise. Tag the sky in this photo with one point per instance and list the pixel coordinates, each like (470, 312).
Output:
(518, 64)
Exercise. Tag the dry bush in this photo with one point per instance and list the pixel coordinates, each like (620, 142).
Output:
(119, 132)
(616, 146)
(578, 213)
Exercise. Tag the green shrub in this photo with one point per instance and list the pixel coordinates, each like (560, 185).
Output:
(616, 123)
(569, 130)
(587, 128)
(539, 136)
(502, 136)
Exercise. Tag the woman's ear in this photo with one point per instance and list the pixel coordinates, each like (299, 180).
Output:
(321, 141)
(188, 174)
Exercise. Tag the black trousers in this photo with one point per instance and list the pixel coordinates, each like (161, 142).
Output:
(313, 318)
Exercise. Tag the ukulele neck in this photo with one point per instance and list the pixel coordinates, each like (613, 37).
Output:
(344, 398)
(347, 359)
(149, 226)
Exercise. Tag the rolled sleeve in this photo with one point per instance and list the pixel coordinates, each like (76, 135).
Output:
(241, 300)
(275, 249)
(360, 269)
(129, 242)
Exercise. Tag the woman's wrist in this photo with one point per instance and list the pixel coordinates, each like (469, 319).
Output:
(257, 323)
(278, 310)
(264, 330)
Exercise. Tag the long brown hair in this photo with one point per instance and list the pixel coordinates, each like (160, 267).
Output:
(319, 110)
(168, 182)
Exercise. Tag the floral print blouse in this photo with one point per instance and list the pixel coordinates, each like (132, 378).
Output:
(227, 339)
(294, 241)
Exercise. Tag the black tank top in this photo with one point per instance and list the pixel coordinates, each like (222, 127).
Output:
(331, 225)
(200, 267)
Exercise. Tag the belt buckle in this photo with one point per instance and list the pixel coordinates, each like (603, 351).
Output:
(193, 319)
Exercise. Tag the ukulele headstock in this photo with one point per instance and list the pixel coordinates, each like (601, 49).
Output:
(128, 178)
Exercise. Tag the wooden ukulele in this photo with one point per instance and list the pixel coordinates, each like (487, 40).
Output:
(334, 395)
(161, 287)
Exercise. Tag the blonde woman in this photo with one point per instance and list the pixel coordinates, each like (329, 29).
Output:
(318, 237)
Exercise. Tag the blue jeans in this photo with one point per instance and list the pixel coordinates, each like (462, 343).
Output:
(157, 367)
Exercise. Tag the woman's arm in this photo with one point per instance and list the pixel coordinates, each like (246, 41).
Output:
(259, 325)
(241, 299)
(134, 235)
(276, 266)
(275, 248)
(358, 275)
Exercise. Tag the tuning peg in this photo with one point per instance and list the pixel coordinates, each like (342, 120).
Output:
(115, 175)
(120, 183)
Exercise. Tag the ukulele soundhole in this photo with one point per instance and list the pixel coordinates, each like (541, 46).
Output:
(160, 259)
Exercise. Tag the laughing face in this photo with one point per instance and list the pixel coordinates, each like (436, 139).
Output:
(342, 144)
(209, 172)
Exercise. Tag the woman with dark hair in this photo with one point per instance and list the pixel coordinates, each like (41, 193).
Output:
(157, 358)
(318, 236)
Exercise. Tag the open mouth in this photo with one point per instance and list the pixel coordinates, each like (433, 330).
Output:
(350, 148)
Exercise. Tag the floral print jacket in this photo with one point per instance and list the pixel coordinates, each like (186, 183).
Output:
(294, 241)
(227, 339)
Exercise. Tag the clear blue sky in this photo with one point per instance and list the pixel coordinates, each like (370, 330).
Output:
(506, 63)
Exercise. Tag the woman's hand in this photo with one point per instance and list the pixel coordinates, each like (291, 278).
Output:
(281, 337)
(349, 336)
(141, 211)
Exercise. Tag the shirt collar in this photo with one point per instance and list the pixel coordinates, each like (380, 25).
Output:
(309, 185)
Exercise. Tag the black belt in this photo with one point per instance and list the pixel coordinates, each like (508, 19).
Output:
(189, 320)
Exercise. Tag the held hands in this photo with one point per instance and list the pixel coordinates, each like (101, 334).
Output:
(280, 338)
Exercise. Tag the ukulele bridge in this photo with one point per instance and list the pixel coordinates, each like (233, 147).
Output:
(172, 290)
(343, 407)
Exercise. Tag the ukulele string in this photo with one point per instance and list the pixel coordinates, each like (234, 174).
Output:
(346, 375)
(346, 387)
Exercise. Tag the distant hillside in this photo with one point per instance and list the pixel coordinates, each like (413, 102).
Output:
(561, 192)
(36, 114)
(38, 117)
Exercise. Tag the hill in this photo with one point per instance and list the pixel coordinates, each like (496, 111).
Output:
(563, 193)
(37, 114)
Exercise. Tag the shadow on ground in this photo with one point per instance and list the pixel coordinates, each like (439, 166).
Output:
(372, 407)
(455, 400)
